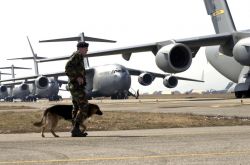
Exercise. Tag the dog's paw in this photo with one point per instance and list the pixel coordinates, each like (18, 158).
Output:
(85, 133)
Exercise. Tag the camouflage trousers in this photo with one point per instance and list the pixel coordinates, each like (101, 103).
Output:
(80, 103)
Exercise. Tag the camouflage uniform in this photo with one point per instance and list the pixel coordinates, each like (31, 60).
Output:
(74, 69)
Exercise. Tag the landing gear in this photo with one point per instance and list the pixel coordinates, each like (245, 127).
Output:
(242, 94)
(55, 98)
(30, 99)
(238, 95)
(119, 95)
(9, 99)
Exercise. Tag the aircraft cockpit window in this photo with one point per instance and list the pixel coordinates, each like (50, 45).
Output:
(123, 70)
(116, 71)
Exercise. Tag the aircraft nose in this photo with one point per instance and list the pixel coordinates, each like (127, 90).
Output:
(124, 79)
(124, 75)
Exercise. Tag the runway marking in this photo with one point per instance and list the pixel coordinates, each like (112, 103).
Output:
(228, 153)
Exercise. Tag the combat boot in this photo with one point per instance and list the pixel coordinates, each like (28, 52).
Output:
(76, 132)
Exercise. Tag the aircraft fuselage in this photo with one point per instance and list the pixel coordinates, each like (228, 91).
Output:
(109, 80)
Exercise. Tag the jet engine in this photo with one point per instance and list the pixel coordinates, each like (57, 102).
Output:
(174, 58)
(21, 91)
(41, 82)
(241, 51)
(3, 92)
(145, 79)
(24, 87)
(170, 82)
(3, 89)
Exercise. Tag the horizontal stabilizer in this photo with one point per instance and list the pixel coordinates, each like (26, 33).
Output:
(1, 73)
(14, 67)
(98, 40)
(62, 39)
(79, 38)
(27, 58)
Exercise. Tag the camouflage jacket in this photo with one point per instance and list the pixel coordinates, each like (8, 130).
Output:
(75, 67)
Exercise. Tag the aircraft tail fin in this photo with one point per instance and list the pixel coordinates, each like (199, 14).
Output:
(229, 85)
(221, 16)
(34, 58)
(80, 38)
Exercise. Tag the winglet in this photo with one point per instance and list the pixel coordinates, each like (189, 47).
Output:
(81, 37)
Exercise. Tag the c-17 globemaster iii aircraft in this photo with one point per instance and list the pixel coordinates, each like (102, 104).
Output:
(228, 51)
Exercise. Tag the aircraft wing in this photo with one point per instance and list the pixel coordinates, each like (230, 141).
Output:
(193, 43)
(137, 72)
(26, 58)
(57, 74)
(62, 81)
(33, 77)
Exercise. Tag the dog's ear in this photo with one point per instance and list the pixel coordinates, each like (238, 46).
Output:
(97, 109)
(98, 112)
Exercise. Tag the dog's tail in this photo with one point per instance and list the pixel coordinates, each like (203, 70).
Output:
(40, 123)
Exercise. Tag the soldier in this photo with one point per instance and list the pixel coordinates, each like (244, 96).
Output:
(75, 71)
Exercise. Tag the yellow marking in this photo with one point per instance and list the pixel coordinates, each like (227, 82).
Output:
(226, 153)
(215, 106)
(218, 12)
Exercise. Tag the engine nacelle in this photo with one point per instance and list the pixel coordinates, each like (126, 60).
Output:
(174, 58)
(170, 82)
(241, 51)
(42, 82)
(3, 89)
(145, 79)
(24, 87)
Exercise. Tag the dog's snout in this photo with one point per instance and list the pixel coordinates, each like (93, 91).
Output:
(99, 112)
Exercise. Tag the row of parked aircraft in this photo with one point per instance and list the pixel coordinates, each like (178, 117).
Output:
(227, 51)
(112, 80)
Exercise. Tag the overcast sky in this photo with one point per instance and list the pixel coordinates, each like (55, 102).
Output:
(129, 22)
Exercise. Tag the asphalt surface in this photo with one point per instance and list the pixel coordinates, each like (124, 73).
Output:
(220, 145)
(207, 145)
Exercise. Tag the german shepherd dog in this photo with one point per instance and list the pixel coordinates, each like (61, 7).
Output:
(53, 114)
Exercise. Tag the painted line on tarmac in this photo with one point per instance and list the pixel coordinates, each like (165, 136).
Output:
(227, 153)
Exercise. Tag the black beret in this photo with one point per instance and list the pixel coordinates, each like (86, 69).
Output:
(82, 45)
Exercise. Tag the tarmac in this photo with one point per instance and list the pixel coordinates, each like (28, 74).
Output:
(203, 145)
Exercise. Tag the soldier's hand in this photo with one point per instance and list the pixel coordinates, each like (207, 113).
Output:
(80, 80)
